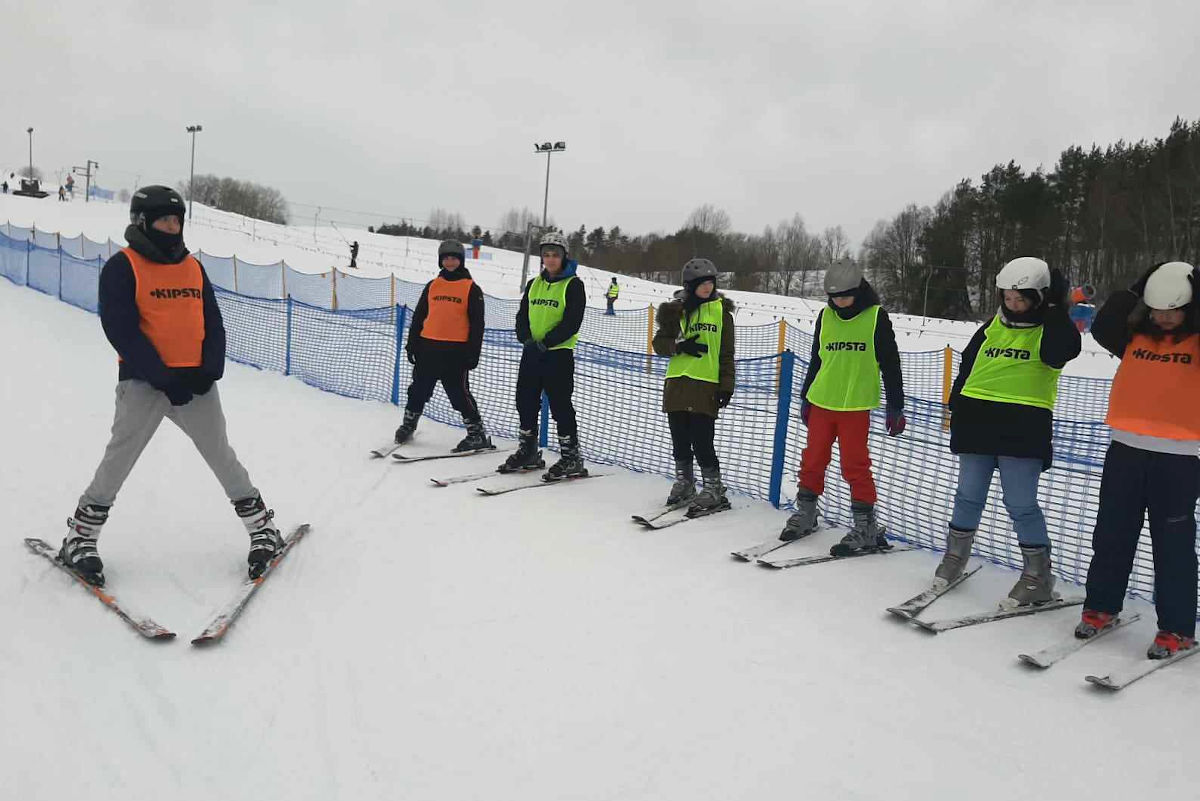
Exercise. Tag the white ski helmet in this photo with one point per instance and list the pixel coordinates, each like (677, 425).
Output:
(1168, 287)
(1025, 272)
(554, 239)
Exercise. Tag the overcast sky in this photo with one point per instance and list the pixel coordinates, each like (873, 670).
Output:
(842, 111)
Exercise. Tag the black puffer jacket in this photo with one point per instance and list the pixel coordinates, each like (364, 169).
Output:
(993, 428)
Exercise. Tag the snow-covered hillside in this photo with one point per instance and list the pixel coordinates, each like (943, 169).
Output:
(310, 249)
(429, 643)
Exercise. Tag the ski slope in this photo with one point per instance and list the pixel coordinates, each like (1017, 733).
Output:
(317, 249)
(429, 643)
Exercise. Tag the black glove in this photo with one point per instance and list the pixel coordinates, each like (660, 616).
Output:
(178, 391)
(691, 346)
(1139, 286)
(1056, 295)
(411, 355)
(535, 346)
(472, 361)
(723, 398)
(199, 381)
(805, 409)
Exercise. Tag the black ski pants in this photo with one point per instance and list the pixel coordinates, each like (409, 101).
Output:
(693, 433)
(552, 372)
(451, 370)
(1165, 484)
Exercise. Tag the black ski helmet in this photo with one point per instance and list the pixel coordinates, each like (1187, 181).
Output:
(451, 247)
(151, 202)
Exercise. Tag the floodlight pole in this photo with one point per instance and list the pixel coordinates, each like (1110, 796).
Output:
(193, 130)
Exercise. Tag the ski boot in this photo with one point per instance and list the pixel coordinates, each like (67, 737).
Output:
(866, 536)
(958, 551)
(570, 463)
(1167, 643)
(526, 457)
(78, 551)
(265, 540)
(684, 488)
(1093, 622)
(711, 498)
(804, 520)
(1036, 584)
(475, 440)
(409, 427)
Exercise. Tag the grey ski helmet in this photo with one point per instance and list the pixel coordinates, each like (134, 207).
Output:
(698, 269)
(151, 202)
(843, 276)
(452, 247)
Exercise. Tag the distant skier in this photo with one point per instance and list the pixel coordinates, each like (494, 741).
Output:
(1003, 406)
(71, 185)
(853, 342)
(614, 291)
(354, 255)
(1151, 465)
(158, 310)
(547, 326)
(444, 343)
(696, 330)
(62, 194)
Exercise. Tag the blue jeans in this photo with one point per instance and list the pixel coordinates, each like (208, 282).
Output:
(1019, 478)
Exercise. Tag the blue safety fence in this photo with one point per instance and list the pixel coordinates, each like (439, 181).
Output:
(359, 353)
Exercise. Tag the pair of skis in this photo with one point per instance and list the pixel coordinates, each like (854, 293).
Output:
(674, 514)
(759, 553)
(392, 449)
(146, 626)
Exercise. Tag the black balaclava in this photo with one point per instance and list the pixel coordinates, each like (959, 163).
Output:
(690, 299)
(169, 244)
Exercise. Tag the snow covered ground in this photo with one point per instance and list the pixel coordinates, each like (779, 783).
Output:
(316, 250)
(428, 643)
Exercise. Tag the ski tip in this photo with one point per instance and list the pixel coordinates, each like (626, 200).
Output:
(1029, 659)
(765, 563)
(438, 483)
(1101, 681)
(903, 614)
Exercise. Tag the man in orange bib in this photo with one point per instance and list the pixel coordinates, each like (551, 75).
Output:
(160, 314)
(444, 343)
(1152, 464)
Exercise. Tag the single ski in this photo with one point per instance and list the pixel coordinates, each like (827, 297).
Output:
(936, 626)
(402, 459)
(801, 561)
(383, 451)
(678, 515)
(488, 492)
(445, 482)
(1069, 645)
(1120, 679)
(228, 614)
(763, 548)
(141, 624)
(919, 603)
(660, 512)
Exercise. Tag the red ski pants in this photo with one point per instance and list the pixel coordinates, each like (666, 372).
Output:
(850, 430)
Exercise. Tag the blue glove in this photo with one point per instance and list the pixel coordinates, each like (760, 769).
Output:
(896, 422)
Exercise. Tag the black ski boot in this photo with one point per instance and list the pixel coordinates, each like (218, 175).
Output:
(475, 440)
(711, 497)
(78, 551)
(569, 464)
(526, 457)
(409, 427)
(684, 488)
(265, 540)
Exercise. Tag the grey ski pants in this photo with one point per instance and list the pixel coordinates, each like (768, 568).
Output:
(140, 410)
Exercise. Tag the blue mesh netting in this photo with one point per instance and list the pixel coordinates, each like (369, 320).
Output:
(93, 250)
(355, 292)
(72, 246)
(313, 289)
(80, 281)
(260, 280)
(43, 269)
(14, 259)
(353, 352)
(20, 234)
(45, 239)
(219, 269)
